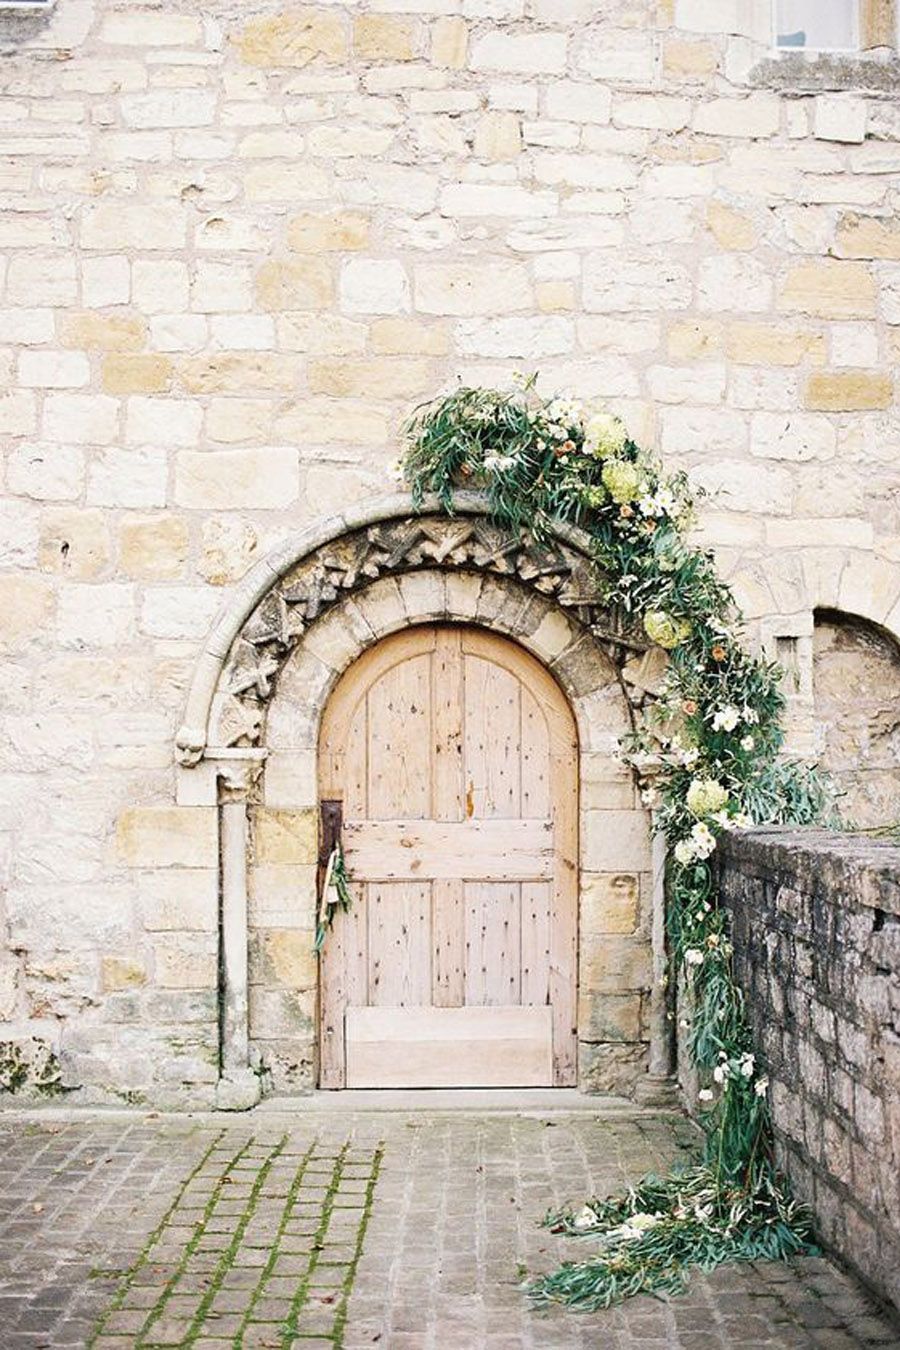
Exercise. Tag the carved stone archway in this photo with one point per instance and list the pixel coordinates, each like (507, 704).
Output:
(390, 549)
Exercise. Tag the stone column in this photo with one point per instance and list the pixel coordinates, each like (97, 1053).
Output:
(660, 1088)
(229, 777)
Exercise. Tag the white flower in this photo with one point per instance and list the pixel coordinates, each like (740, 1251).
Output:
(761, 1087)
(703, 1212)
(566, 410)
(720, 1072)
(704, 839)
(643, 1221)
(693, 957)
(705, 1095)
(747, 1065)
(749, 716)
(585, 1218)
(499, 463)
(689, 757)
(747, 743)
(741, 821)
(685, 852)
(726, 719)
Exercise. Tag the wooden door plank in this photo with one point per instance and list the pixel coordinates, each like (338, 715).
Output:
(448, 1047)
(448, 801)
(399, 744)
(492, 738)
(448, 925)
(518, 850)
(493, 944)
(537, 940)
(535, 752)
(400, 944)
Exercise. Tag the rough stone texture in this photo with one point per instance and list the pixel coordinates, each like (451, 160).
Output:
(254, 1235)
(237, 246)
(856, 683)
(816, 924)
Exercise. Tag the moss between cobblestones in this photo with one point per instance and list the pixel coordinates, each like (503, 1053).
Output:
(226, 1261)
(154, 1237)
(290, 1329)
(276, 1241)
(340, 1320)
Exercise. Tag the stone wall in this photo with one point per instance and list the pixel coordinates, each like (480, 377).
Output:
(816, 922)
(239, 242)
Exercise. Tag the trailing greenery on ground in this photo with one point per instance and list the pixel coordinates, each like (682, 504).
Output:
(709, 755)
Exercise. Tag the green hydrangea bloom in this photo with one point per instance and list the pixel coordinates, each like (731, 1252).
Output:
(705, 796)
(665, 630)
(594, 496)
(624, 480)
(604, 435)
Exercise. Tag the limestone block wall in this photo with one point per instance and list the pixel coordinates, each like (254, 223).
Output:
(238, 242)
(816, 923)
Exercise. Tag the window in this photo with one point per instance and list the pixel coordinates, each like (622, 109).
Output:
(817, 25)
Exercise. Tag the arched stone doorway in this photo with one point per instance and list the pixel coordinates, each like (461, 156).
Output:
(250, 741)
(450, 756)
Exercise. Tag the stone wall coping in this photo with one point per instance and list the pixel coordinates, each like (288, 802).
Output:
(261, 578)
(811, 859)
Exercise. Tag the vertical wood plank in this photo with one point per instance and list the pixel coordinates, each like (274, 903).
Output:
(492, 740)
(448, 800)
(399, 742)
(400, 943)
(535, 752)
(493, 943)
(536, 942)
(449, 929)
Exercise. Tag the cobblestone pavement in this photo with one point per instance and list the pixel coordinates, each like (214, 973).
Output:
(391, 1232)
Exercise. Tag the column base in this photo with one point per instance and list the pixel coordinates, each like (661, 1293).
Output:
(659, 1090)
(238, 1090)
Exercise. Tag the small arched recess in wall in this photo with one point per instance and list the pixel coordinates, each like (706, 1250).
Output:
(298, 620)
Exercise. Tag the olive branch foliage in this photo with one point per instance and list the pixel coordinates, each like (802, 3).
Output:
(710, 748)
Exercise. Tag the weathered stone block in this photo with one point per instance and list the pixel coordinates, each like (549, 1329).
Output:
(293, 38)
(285, 836)
(167, 836)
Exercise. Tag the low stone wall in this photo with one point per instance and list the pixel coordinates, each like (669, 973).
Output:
(816, 921)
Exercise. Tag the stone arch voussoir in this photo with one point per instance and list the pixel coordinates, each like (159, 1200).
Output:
(292, 591)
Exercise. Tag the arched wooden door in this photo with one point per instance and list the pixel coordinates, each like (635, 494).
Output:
(454, 756)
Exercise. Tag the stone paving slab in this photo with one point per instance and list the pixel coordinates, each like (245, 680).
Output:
(275, 1231)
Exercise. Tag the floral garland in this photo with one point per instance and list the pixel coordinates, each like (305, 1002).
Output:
(710, 746)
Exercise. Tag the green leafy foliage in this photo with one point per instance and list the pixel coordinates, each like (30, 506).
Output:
(336, 895)
(709, 753)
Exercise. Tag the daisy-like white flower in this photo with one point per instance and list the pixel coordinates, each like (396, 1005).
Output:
(726, 719)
